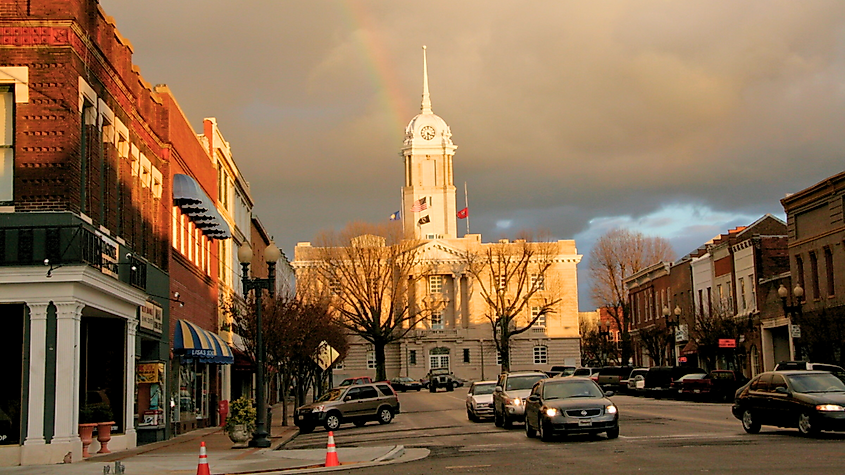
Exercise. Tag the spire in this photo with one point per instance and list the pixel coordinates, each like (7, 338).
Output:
(426, 101)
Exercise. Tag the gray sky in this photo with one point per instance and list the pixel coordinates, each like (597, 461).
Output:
(679, 119)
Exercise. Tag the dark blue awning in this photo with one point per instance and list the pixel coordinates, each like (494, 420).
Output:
(193, 201)
(195, 343)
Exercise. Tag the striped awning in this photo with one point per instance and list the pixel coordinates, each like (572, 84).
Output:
(188, 196)
(195, 343)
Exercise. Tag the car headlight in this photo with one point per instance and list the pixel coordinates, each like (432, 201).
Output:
(611, 409)
(551, 411)
(320, 408)
(516, 401)
(829, 407)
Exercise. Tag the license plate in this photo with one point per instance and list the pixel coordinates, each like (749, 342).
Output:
(585, 423)
(696, 391)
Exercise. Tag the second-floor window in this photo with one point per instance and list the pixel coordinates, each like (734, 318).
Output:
(7, 144)
(437, 321)
(742, 293)
(541, 322)
(814, 275)
(435, 284)
(828, 270)
(538, 282)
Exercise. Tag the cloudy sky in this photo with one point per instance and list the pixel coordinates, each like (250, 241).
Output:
(678, 119)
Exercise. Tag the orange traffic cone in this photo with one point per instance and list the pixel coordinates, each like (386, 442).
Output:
(202, 467)
(331, 452)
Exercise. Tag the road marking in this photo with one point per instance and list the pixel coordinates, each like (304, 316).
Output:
(466, 466)
(683, 436)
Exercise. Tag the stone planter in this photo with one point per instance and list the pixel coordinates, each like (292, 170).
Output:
(104, 436)
(86, 435)
(239, 435)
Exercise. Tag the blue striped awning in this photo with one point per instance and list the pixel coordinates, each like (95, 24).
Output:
(202, 345)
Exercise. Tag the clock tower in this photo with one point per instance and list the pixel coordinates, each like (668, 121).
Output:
(428, 196)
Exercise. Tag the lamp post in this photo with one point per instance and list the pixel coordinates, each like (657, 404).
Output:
(793, 310)
(672, 324)
(260, 438)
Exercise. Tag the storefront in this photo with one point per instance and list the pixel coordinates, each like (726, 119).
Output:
(196, 380)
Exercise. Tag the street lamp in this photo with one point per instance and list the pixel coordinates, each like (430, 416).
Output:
(793, 310)
(260, 438)
(670, 323)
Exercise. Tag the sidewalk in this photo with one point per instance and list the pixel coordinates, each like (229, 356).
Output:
(180, 456)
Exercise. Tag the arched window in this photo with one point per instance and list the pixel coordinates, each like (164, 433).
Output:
(438, 358)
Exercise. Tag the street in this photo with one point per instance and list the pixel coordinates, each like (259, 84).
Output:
(656, 436)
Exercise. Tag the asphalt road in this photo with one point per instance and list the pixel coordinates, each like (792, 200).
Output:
(656, 437)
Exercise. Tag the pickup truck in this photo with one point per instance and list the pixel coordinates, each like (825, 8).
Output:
(718, 385)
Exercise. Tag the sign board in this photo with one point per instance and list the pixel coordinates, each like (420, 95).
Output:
(151, 317)
(149, 373)
(682, 334)
(682, 359)
(795, 331)
(325, 356)
(727, 343)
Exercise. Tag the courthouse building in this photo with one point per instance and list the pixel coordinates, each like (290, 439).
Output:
(458, 336)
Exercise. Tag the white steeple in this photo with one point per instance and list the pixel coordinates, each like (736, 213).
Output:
(428, 197)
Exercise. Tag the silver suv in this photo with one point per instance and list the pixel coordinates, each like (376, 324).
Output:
(509, 396)
(357, 404)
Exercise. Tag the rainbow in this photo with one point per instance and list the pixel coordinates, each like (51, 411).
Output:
(391, 97)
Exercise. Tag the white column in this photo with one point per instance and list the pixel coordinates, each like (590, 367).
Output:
(129, 397)
(68, 328)
(37, 372)
(457, 301)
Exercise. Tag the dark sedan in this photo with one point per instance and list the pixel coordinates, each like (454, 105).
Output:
(569, 405)
(405, 384)
(812, 401)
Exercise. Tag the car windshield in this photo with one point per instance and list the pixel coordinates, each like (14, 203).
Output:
(332, 395)
(483, 389)
(582, 372)
(561, 390)
(816, 383)
(567, 372)
(523, 382)
(693, 376)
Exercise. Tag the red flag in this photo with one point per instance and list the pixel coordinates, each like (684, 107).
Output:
(462, 214)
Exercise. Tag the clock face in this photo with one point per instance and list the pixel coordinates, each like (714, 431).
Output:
(427, 132)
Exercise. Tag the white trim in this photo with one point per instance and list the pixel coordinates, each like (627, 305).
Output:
(86, 92)
(19, 75)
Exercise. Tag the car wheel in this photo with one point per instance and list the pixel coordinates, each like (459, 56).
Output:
(450, 387)
(497, 418)
(306, 429)
(385, 415)
(418, 389)
(805, 425)
(332, 421)
(544, 431)
(529, 432)
(471, 417)
(613, 433)
(749, 423)
(507, 422)
(432, 388)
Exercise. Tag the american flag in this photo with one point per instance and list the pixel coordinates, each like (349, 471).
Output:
(419, 205)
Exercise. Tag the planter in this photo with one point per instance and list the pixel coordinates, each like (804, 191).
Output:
(86, 435)
(239, 435)
(104, 436)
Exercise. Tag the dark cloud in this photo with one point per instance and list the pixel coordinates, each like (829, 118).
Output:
(563, 111)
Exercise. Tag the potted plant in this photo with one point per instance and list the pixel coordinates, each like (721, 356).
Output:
(86, 427)
(102, 414)
(240, 422)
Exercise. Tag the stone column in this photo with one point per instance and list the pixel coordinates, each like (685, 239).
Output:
(37, 372)
(457, 301)
(129, 396)
(68, 337)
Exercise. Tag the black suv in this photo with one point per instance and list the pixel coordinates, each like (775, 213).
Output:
(441, 378)
(658, 380)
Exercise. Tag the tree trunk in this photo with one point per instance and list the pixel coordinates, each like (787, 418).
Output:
(505, 353)
(381, 373)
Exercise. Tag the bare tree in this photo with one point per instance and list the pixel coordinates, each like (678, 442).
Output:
(366, 270)
(514, 284)
(617, 255)
(717, 324)
(656, 340)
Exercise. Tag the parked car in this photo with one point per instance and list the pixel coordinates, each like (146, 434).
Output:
(636, 381)
(614, 377)
(658, 380)
(441, 378)
(509, 396)
(587, 372)
(717, 385)
(812, 401)
(559, 370)
(354, 381)
(479, 400)
(359, 404)
(803, 365)
(405, 384)
(677, 386)
(570, 405)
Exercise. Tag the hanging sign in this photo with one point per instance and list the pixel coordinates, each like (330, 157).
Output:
(152, 317)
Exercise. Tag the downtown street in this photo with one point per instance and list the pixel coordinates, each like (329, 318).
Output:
(657, 436)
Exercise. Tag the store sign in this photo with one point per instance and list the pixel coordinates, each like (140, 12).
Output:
(149, 373)
(795, 331)
(152, 317)
(682, 334)
(108, 253)
(727, 343)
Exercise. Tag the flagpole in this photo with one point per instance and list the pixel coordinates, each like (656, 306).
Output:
(466, 203)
